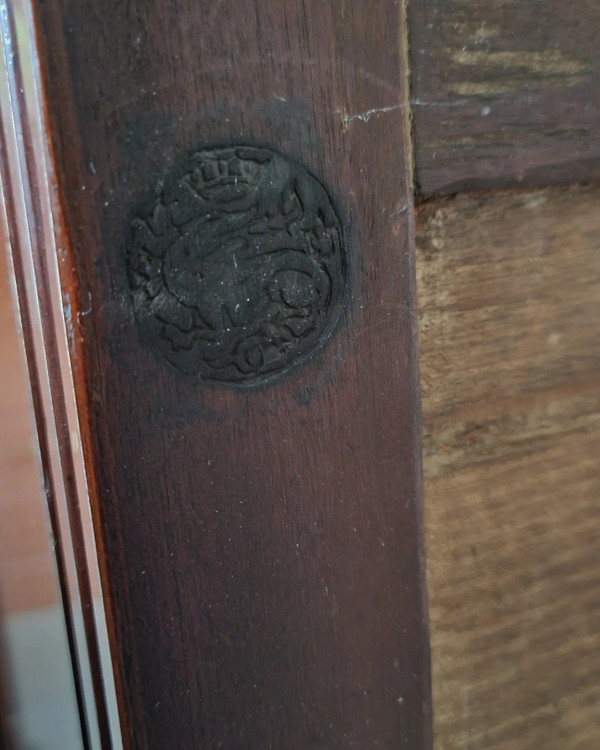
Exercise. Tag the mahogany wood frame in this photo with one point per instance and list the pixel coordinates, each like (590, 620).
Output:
(260, 552)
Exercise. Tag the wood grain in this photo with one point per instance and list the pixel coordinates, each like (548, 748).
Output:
(505, 93)
(261, 549)
(509, 307)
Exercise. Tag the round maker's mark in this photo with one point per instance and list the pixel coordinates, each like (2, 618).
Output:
(237, 267)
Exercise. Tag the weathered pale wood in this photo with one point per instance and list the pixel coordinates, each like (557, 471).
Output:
(509, 305)
(505, 93)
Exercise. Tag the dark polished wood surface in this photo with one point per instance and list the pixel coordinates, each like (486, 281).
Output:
(261, 548)
(504, 93)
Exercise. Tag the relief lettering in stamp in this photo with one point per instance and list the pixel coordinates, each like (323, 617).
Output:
(237, 268)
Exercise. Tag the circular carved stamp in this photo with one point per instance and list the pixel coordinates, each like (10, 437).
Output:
(237, 267)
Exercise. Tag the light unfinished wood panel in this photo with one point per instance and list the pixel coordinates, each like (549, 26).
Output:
(509, 305)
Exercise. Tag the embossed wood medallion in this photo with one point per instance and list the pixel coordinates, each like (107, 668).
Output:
(237, 267)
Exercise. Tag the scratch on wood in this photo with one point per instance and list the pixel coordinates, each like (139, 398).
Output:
(365, 116)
